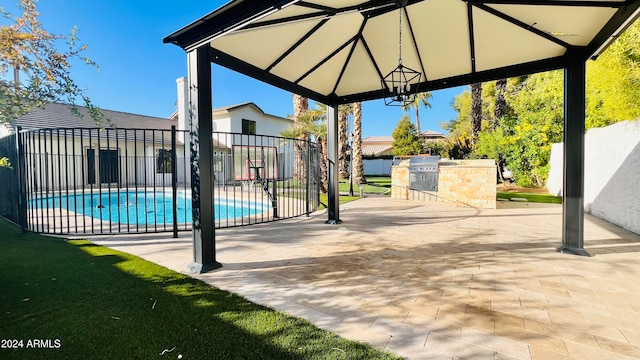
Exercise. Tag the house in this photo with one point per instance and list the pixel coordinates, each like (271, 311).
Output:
(430, 135)
(235, 149)
(377, 145)
(246, 118)
(69, 150)
(64, 148)
(382, 145)
(57, 115)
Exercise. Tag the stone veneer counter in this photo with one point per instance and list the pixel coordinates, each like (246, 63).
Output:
(465, 182)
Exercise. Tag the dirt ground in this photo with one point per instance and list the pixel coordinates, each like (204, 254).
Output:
(518, 189)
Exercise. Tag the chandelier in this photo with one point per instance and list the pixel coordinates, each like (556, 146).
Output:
(397, 84)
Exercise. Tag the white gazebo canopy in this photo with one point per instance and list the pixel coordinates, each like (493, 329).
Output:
(339, 51)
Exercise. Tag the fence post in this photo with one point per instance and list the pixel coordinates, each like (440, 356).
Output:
(174, 181)
(274, 196)
(308, 196)
(22, 190)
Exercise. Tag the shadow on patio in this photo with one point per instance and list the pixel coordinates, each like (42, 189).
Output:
(429, 280)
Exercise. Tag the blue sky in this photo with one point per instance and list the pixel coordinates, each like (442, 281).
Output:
(138, 72)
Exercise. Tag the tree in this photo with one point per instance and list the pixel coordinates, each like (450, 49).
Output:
(436, 147)
(320, 132)
(312, 123)
(500, 109)
(535, 109)
(30, 52)
(476, 111)
(458, 143)
(358, 165)
(405, 138)
(5, 163)
(300, 106)
(343, 147)
(613, 81)
(522, 138)
(421, 98)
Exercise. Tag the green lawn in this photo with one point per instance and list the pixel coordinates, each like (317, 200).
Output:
(374, 185)
(531, 197)
(342, 199)
(91, 302)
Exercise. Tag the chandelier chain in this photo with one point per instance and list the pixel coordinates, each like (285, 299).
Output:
(400, 36)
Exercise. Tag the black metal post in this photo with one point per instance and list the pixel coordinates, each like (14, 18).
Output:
(22, 188)
(274, 195)
(308, 196)
(333, 205)
(174, 181)
(201, 145)
(573, 171)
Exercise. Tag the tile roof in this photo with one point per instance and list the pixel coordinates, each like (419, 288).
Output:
(227, 109)
(375, 149)
(431, 133)
(56, 115)
(378, 139)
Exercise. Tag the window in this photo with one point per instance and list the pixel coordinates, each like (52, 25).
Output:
(163, 161)
(248, 127)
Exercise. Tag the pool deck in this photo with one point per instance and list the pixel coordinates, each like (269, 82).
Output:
(434, 281)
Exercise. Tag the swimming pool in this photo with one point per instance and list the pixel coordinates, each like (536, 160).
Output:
(142, 207)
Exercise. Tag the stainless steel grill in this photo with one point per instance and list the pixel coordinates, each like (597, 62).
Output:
(423, 173)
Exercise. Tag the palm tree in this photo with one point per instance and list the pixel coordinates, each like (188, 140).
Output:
(343, 147)
(319, 131)
(358, 165)
(300, 106)
(421, 98)
(476, 111)
(312, 123)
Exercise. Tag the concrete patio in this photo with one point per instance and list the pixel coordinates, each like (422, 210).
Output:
(434, 281)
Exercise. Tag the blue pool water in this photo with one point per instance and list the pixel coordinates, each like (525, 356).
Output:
(141, 207)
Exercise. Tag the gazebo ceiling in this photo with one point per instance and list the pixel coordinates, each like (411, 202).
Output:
(337, 51)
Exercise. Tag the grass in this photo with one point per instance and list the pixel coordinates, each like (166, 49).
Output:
(531, 197)
(104, 304)
(375, 185)
(324, 200)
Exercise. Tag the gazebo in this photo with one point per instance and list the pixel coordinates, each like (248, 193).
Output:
(343, 51)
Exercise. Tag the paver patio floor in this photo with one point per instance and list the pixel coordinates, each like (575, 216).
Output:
(434, 281)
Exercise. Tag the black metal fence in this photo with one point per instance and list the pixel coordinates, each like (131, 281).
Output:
(109, 181)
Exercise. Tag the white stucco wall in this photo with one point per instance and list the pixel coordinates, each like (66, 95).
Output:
(265, 124)
(612, 173)
(230, 121)
(554, 181)
(63, 163)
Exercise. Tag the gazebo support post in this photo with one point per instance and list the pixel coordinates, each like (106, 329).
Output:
(573, 168)
(201, 149)
(333, 205)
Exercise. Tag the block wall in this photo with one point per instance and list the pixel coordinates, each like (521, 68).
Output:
(611, 175)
